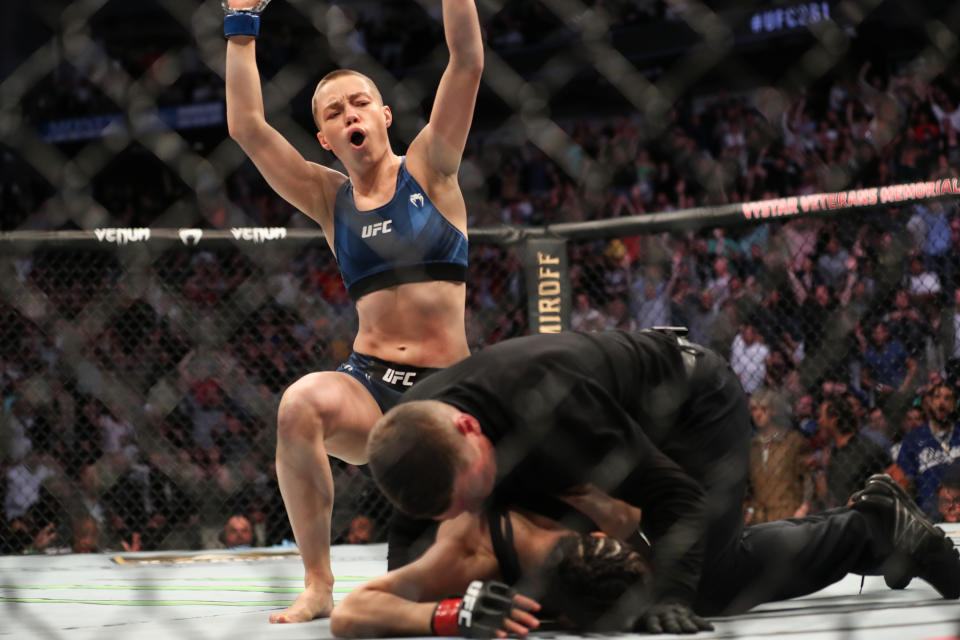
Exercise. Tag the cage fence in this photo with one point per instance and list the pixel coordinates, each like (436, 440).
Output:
(144, 379)
(141, 373)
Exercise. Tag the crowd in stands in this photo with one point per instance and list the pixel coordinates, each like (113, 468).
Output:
(844, 331)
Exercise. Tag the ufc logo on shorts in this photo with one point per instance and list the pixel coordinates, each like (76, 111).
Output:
(370, 230)
(403, 377)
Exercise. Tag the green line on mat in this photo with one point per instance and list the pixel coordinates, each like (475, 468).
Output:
(243, 579)
(143, 587)
(154, 603)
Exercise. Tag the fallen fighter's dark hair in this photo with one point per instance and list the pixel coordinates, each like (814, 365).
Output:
(595, 583)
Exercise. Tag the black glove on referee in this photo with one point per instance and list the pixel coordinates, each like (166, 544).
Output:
(671, 617)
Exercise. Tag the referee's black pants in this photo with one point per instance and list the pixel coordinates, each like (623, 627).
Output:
(744, 567)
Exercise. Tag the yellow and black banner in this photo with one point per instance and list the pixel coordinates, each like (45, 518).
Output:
(548, 285)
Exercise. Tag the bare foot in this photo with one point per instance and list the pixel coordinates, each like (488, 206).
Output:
(310, 604)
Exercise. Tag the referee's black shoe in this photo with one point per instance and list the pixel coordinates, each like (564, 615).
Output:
(920, 549)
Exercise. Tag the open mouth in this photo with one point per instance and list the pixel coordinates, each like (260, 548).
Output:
(357, 138)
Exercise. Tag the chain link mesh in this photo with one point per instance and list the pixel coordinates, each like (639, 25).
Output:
(140, 383)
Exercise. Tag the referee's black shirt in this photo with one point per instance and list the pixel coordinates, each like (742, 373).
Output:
(606, 408)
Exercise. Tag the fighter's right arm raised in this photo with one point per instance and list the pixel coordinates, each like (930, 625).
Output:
(308, 186)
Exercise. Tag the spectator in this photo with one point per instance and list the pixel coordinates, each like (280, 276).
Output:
(89, 434)
(207, 407)
(586, 317)
(356, 493)
(832, 264)
(858, 291)
(118, 435)
(700, 316)
(877, 429)
(814, 315)
(237, 532)
(855, 399)
(778, 463)
(781, 375)
(720, 245)
(748, 357)
(803, 417)
(653, 310)
(911, 420)
(18, 425)
(921, 282)
(887, 367)
(25, 482)
(236, 440)
(21, 535)
(86, 536)
(616, 275)
(361, 530)
(146, 500)
(907, 325)
(953, 255)
(89, 488)
(776, 320)
(754, 262)
(853, 457)
(947, 332)
(928, 450)
(719, 283)
(931, 230)
(948, 495)
(618, 315)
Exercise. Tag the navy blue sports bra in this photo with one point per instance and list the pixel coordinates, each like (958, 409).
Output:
(405, 240)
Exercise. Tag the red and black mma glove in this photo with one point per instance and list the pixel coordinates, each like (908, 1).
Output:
(242, 22)
(480, 613)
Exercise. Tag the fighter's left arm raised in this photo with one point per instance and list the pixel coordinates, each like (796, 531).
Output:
(445, 135)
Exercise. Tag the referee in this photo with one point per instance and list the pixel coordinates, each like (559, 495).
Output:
(648, 418)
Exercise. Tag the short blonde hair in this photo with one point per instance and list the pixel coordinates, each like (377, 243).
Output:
(773, 402)
(333, 75)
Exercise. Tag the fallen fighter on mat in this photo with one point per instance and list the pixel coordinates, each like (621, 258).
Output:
(588, 583)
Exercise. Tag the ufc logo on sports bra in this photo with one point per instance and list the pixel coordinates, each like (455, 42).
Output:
(377, 228)
(403, 377)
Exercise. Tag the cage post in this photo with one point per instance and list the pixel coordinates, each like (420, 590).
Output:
(548, 284)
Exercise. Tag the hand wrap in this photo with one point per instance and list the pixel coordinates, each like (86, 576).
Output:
(479, 614)
(242, 22)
